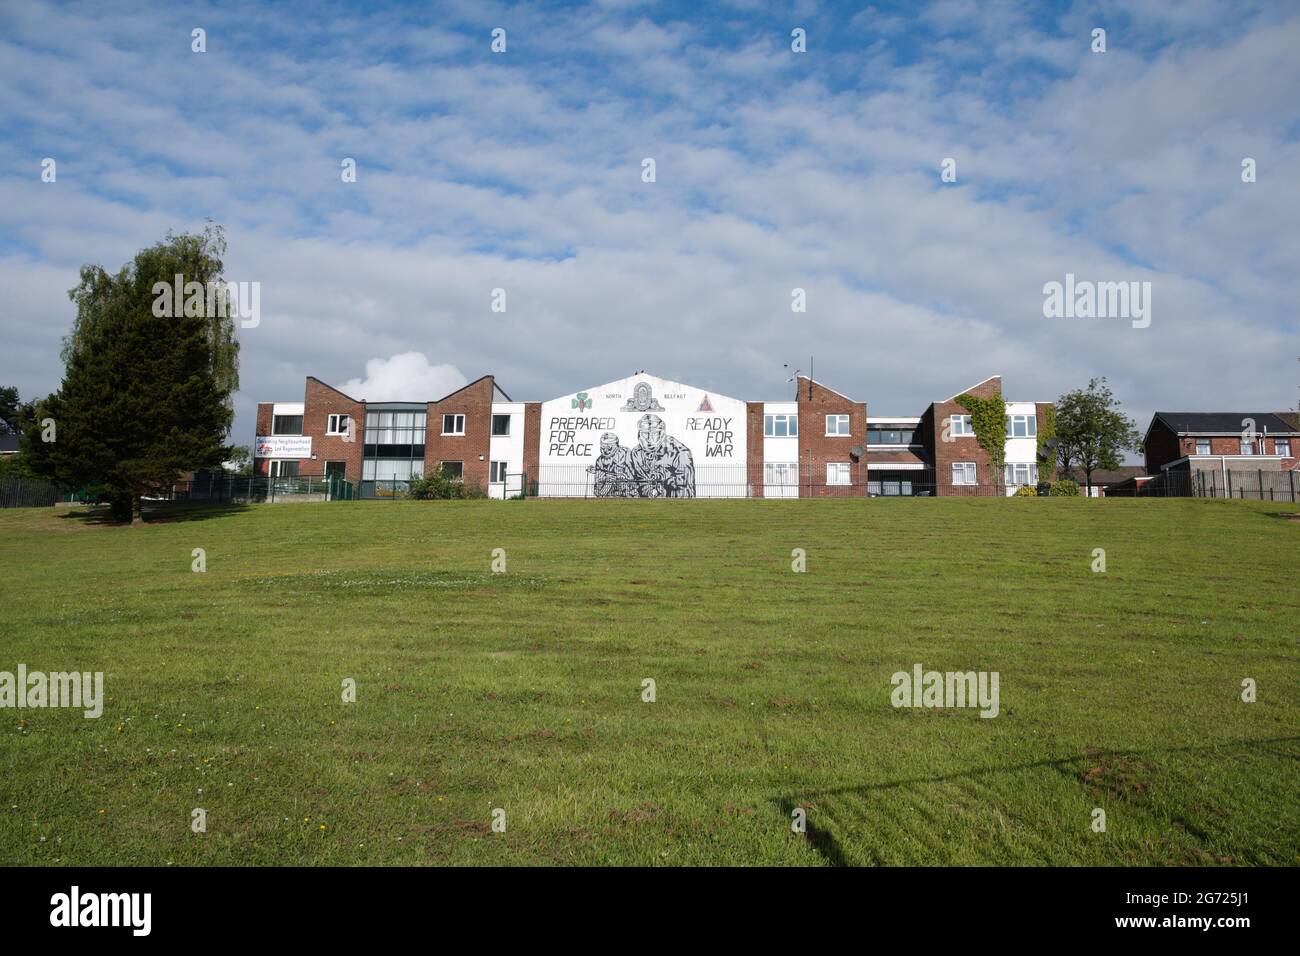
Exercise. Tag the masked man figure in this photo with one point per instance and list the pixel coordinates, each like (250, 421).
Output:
(663, 466)
(613, 470)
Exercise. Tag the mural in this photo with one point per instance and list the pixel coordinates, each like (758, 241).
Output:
(642, 437)
(659, 467)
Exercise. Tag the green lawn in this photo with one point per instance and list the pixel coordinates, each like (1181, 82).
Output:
(522, 690)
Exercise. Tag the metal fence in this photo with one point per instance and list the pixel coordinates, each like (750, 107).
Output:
(249, 489)
(25, 493)
(1240, 483)
(239, 489)
(563, 481)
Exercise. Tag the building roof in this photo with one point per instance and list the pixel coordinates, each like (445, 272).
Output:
(1223, 423)
(964, 391)
(8, 443)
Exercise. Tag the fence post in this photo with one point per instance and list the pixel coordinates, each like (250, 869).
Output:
(1260, 472)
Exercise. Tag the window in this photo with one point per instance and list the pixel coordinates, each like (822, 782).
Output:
(335, 469)
(1282, 446)
(837, 425)
(337, 425)
(397, 434)
(1021, 473)
(963, 472)
(781, 474)
(497, 472)
(453, 469)
(1202, 446)
(391, 469)
(1022, 426)
(286, 425)
(1247, 446)
(837, 472)
(453, 424)
(890, 436)
(780, 426)
(284, 469)
(500, 425)
(960, 425)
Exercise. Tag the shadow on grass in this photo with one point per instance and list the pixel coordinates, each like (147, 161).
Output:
(819, 839)
(156, 512)
(825, 843)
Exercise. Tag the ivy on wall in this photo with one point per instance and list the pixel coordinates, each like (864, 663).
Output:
(988, 417)
(1046, 431)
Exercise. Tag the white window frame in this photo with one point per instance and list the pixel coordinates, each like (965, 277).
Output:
(791, 425)
(1279, 444)
(959, 426)
(1206, 443)
(1247, 447)
(968, 468)
(505, 434)
(337, 424)
(839, 468)
(493, 468)
(779, 474)
(1030, 471)
(443, 464)
(457, 423)
(1030, 423)
(838, 420)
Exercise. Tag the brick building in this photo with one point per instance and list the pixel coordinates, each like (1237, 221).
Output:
(937, 452)
(1224, 454)
(643, 436)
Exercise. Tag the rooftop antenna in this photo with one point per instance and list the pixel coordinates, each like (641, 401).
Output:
(794, 378)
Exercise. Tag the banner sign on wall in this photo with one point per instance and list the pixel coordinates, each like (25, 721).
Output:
(282, 446)
(643, 437)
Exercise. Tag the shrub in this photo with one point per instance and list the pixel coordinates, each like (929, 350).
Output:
(1064, 488)
(440, 486)
(1026, 491)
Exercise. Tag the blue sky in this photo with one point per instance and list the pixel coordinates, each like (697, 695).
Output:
(775, 170)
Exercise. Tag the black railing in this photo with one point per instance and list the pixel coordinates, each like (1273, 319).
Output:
(249, 489)
(27, 493)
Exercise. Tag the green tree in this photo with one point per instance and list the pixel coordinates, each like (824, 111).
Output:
(144, 397)
(240, 460)
(14, 414)
(1091, 431)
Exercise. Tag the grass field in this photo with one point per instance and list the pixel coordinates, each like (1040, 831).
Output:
(522, 690)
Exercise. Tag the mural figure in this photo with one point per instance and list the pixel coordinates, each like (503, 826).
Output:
(613, 470)
(662, 466)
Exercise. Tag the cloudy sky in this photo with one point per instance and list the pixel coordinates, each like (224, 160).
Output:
(774, 170)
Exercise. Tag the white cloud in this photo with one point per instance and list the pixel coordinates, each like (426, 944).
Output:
(523, 172)
(407, 377)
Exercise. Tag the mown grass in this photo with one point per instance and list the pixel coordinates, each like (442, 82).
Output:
(522, 690)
